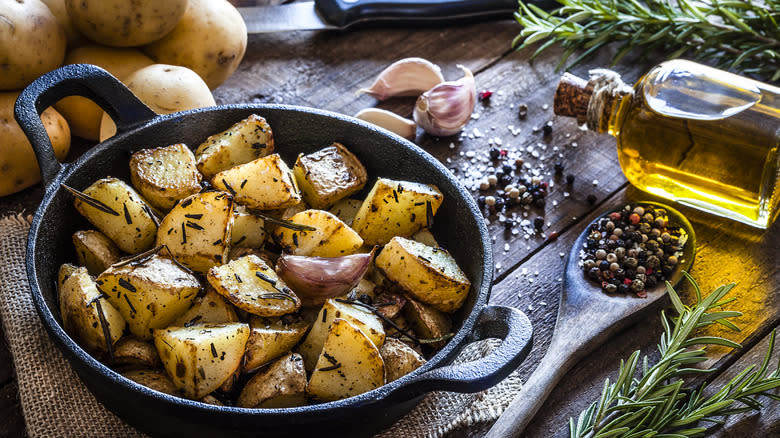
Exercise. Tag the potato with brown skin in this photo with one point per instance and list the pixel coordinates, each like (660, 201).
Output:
(18, 164)
(271, 338)
(82, 114)
(400, 359)
(32, 42)
(210, 308)
(123, 23)
(164, 175)
(243, 142)
(281, 385)
(131, 352)
(210, 39)
(154, 379)
(60, 11)
(427, 322)
(95, 251)
(262, 184)
(331, 237)
(328, 175)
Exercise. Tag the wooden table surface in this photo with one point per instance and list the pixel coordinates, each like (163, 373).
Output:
(324, 69)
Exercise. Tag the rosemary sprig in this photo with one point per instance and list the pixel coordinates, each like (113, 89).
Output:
(741, 35)
(655, 401)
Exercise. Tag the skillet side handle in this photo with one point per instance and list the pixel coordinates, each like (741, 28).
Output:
(506, 323)
(85, 80)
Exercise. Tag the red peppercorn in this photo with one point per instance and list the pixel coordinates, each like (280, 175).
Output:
(615, 216)
(504, 152)
(626, 281)
(485, 95)
(634, 218)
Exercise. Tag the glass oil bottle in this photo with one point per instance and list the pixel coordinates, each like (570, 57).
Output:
(690, 133)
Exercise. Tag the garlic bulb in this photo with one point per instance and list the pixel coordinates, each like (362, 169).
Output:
(407, 77)
(390, 121)
(444, 109)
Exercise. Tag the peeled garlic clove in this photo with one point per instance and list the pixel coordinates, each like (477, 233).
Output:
(407, 77)
(390, 121)
(315, 279)
(446, 108)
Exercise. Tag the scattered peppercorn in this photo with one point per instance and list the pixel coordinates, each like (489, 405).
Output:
(485, 95)
(570, 179)
(494, 153)
(591, 199)
(547, 128)
(558, 168)
(522, 111)
(539, 223)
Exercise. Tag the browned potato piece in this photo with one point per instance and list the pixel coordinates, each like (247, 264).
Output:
(210, 399)
(399, 358)
(389, 304)
(429, 274)
(345, 209)
(248, 229)
(243, 142)
(281, 385)
(129, 221)
(427, 322)
(263, 184)
(331, 238)
(271, 338)
(86, 315)
(349, 364)
(65, 271)
(200, 358)
(250, 284)
(165, 175)
(95, 251)
(133, 352)
(150, 295)
(395, 208)
(154, 379)
(328, 175)
(425, 236)
(210, 308)
(197, 230)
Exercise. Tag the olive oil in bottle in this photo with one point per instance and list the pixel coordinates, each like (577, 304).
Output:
(690, 133)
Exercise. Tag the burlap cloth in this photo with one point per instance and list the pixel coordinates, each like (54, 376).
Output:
(56, 404)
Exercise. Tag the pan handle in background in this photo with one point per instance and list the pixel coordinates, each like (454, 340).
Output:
(85, 80)
(506, 323)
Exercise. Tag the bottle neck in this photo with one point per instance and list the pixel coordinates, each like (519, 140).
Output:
(608, 93)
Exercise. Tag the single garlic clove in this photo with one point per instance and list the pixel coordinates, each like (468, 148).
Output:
(390, 121)
(407, 77)
(446, 108)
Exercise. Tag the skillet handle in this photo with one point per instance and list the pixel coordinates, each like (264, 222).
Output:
(507, 323)
(85, 80)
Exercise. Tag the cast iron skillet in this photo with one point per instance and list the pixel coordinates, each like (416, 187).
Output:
(459, 227)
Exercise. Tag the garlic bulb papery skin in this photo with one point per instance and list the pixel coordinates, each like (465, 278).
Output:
(446, 108)
(407, 77)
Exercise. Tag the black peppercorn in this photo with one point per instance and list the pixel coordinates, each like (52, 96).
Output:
(591, 199)
(570, 179)
(604, 265)
(547, 129)
(539, 203)
(558, 167)
(494, 153)
(538, 223)
(481, 201)
(506, 168)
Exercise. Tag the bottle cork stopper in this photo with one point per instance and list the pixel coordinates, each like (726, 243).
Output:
(572, 96)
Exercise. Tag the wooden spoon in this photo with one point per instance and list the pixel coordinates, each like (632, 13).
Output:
(586, 318)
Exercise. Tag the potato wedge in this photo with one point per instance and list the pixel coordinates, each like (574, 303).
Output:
(248, 229)
(165, 175)
(345, 209)
(358, 317)
(154, 379)
(332, 237)
(197, 230)
(131, 352)
(86, 315)
(95, 251)
(243, 142)
(200, 358)
(270, 339)
(395, 208)
(65, 271)
(330, 174)
(281, 385)
(128, 221)
(250, 284)
(427, 322)
(425, 236)
(350, 364)
(210, 308)
(428, 274)
(399, 358)
(149, 295)
(263, 184)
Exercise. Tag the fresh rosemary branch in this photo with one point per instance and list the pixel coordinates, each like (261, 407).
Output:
(740, 35)
(655, 401)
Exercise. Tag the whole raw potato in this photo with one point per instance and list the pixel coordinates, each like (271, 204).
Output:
(165, 89)
(74, 37)
(18, 164)
(32, 42)
(82, 114)
(210, 39)
(125, 23)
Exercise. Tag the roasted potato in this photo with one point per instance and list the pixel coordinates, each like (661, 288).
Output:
(154, 379)
(345, 209)
(86, 315)
(208, 309)
(120, 213)
(425, 236)
(95, 251)
(331, 238)
(165, 175)
(248, 229)
(250, 284)
(428, 274)
(65, 271)
(349, 364)
(399, 358)
(197, 230)
(281, 385)
(243, 142)
(149, 295)
(358, 317)
(395, 208)
(270, 339)
(200, 358)
(131, 352)
(329, 175)
(263, 184)
(427, 322)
